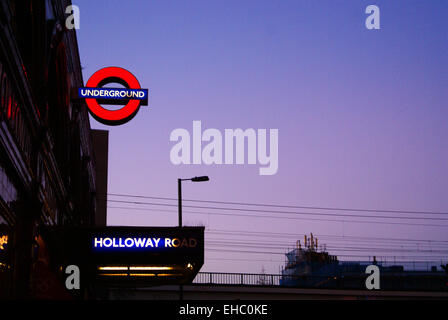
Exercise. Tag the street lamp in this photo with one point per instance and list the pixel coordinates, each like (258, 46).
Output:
(179, 190)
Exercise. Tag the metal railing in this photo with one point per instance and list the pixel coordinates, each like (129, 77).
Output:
(246, 279)
(418, 280)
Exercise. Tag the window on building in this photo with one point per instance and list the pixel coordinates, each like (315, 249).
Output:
(8, 191)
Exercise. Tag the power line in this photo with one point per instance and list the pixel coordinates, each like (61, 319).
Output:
(284, 206)
(250, 233)
(335, 249)
(340, 255)
(332, 243)
(272, 217)
(407, 262)
(281, 212)
(284, 245)
(346, 238)
(251, 260)
(332, 248)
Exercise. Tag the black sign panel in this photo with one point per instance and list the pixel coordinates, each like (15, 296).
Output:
(149, 254)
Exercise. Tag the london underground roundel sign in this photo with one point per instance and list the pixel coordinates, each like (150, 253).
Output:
(132, 96)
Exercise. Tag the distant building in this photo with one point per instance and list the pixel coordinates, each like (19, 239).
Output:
(311, 267)
(47, 160)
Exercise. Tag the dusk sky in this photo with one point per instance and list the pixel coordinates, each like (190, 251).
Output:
(362, 120)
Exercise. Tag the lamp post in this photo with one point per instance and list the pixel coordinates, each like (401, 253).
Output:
(179, 192)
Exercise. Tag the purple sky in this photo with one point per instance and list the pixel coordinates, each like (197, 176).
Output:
(362, 115)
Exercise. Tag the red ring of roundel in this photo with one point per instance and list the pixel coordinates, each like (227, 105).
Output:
(113, 115)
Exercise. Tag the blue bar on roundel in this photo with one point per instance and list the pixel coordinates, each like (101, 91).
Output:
(113, 93)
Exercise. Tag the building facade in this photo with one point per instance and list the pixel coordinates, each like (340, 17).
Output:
(47, 161)
(311, 267)
(101, 149)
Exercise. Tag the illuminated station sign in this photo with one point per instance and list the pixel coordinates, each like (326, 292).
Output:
(125, 255)
(142, 243)
(132, 96)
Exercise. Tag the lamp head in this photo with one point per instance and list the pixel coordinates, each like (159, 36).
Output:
(200, 179)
